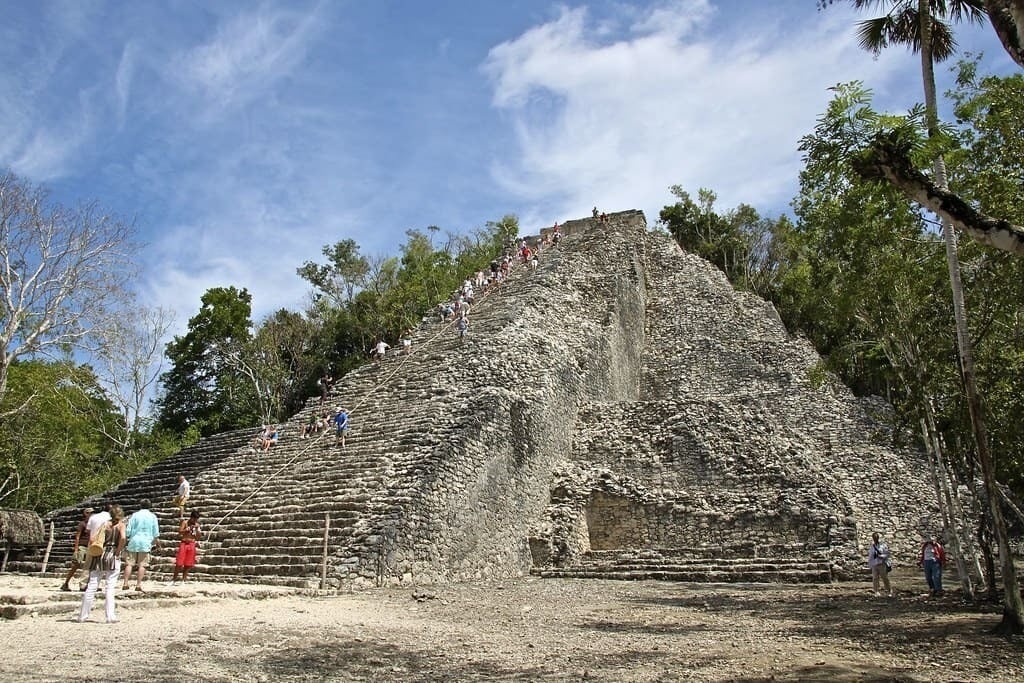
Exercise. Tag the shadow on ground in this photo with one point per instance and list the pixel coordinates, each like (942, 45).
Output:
(874, 623)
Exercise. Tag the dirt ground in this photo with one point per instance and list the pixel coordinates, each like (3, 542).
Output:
(525, 630)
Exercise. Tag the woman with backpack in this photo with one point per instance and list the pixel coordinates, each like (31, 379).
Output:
(104, 564)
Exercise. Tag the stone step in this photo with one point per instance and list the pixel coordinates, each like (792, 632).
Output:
(752, 550)
(707, 576)
(701, 565)
(40, 596)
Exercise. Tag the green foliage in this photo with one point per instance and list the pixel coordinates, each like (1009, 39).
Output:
(205, 387)
(740, 242)
(393, 294)
(987, 171)
(54, 446)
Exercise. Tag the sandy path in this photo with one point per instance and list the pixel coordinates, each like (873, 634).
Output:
(529, 630)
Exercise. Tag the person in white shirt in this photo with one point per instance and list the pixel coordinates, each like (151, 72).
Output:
(181, 495)
(97, 520)
(878, 561)
(380, 349)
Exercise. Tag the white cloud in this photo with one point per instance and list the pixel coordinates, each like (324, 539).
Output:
(250, 53)
(123, 81)
(616, 121)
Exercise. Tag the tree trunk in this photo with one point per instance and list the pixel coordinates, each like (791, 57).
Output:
(985, 543)
(952, 517)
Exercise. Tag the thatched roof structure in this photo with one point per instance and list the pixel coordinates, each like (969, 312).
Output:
(21, 527)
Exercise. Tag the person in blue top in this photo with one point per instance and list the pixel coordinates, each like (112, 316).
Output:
(143, 533)
(340, 426)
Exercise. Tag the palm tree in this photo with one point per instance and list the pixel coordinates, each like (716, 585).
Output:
(925, 27)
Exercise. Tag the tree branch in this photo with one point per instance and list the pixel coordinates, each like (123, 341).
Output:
(1007, 18)
(889, 160)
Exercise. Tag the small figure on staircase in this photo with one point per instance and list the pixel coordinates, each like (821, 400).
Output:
(340, 426)
(324, 385)
(270, 437)
(78, 551)
(181, 495)
(462, 328)
(594, 213)
(379, 349)
(407, 341)
(311, 427)
(185, 559)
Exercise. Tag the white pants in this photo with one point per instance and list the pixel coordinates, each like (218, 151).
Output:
(90, 592)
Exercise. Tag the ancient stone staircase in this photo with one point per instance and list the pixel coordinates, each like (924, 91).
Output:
(787, 564)
(265, 514)
(157, 483)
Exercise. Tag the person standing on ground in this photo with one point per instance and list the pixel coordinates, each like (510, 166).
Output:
(106, 566)
(932, 560)
(78, 551)
(185, 559)
(181, 495)
(143, 532)
(878, 561)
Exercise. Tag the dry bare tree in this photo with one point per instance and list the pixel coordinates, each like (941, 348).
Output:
(63, 273)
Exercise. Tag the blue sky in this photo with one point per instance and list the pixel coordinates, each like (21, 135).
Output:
(244, 136)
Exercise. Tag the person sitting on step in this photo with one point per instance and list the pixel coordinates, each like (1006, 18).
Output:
(311, 427)
(270, 437)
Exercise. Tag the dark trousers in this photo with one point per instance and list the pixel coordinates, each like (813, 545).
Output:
(933, 574)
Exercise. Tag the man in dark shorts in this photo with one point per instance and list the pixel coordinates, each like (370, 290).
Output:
(78, 552)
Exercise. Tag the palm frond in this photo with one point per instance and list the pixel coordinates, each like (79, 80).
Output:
(943, 43)
(874, 35)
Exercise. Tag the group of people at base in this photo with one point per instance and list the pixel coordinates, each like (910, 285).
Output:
(932, 559)
(105, 542)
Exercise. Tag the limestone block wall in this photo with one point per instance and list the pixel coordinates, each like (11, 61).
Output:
(732, 426)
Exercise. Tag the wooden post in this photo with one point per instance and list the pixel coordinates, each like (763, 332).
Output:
(323, 561)
(7, 552)
(46, 554)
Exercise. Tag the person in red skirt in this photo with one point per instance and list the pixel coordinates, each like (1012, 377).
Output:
(186, 557)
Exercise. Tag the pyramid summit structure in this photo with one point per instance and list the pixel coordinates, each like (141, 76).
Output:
(620, 411)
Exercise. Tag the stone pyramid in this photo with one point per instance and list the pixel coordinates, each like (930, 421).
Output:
(620, 411)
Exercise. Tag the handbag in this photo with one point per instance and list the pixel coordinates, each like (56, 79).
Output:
(97, 542)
